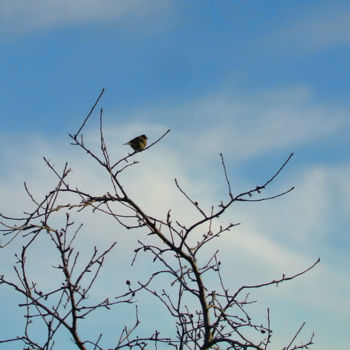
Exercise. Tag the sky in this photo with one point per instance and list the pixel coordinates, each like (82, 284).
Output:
(254, 80)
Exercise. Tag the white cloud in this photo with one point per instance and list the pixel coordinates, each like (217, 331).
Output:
(21, 16)
(308, 211)
(323, 27)
(281, 236)
(244, 127)
(276, 119)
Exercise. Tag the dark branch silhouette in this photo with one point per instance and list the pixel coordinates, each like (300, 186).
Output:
(204, 319)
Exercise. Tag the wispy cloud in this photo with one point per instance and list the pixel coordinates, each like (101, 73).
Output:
(244, 127)
(323, 27)
(20, 16)
(275, 237)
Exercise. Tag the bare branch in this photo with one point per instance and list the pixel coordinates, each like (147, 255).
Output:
(88, 116)
(125, 159)
(206, 315)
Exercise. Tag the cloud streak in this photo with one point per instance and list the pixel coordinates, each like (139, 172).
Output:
(20, 16)
(323, 27)
(278, 237)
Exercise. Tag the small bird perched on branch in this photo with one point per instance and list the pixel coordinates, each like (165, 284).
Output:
(138, 143)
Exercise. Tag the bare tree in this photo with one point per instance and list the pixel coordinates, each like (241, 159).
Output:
(203, 318)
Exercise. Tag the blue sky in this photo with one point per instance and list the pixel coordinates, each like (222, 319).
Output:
(255, 80)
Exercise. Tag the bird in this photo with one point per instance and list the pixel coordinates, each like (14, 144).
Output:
(138, 143)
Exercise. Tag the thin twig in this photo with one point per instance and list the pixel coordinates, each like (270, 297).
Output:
(88, 116)
(226, 177)
(295, 336)
(133, 153)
